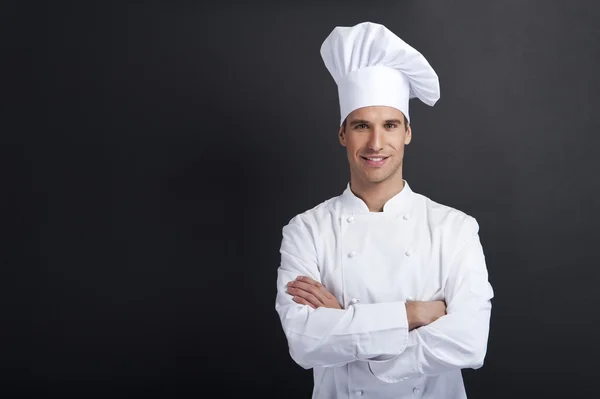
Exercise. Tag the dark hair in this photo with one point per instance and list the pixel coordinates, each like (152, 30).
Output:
(405, 123)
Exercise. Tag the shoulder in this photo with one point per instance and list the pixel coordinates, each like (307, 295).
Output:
(450, 220)
(311, 219)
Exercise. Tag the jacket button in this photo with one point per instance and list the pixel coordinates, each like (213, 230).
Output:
(358, 393)
(351, 254)
(351, 219)
(406, 217)
(408, 253)
(354, 301)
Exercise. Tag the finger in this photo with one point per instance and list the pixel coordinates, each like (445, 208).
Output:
(318, 292)
(310, 297)
(309, 280)
(328, 294)
(315, 283)
(303, 301)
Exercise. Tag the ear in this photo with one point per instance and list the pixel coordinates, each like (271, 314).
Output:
(408, 136)
(342, 135)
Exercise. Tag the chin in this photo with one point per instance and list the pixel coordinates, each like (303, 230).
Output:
(372, 181)
(376, 179)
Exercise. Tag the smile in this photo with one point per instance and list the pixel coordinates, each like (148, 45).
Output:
(374, 161)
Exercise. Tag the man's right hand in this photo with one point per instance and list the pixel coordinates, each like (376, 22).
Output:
(422, 313)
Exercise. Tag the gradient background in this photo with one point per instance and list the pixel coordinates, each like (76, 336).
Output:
(154, 150)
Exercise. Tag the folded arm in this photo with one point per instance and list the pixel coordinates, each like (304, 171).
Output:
(332, 337)
(458, 339)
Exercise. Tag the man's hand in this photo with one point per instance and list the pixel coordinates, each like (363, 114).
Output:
(307, 291)
(422, 313)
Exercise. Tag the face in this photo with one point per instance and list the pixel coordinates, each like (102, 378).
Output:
(374, 138)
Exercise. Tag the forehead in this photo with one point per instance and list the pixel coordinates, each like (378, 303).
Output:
(375, 113)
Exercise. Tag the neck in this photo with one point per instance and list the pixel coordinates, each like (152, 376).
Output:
(375, 195)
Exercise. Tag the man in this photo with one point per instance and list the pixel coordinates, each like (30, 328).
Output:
(383, 292)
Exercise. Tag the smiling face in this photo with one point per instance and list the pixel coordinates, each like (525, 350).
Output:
(374, 138)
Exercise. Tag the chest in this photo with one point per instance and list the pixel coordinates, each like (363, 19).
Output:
(382, 258)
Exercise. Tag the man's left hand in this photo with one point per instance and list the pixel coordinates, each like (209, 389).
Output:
(307, 291)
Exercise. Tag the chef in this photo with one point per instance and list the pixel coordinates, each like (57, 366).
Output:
(381, 291)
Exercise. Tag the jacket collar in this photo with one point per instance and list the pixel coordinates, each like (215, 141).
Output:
(399, 203)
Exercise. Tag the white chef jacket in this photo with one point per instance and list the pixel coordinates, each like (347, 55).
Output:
(373, 262)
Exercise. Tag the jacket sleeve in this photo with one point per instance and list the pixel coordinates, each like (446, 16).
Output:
(331, 337)
(459, 339)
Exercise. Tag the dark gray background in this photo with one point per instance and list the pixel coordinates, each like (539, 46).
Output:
(154, 151)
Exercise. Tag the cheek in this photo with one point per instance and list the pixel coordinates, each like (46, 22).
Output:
(401, 142)
(396, 145)
(353, 146)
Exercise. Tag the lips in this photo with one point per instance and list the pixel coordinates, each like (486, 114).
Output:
(375, 161)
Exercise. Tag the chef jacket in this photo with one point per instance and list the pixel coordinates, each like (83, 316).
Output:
(373, 263)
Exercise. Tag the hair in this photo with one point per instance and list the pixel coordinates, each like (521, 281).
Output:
(405, 123)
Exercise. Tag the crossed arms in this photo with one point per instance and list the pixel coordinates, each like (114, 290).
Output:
(398, 340)
(307, 291)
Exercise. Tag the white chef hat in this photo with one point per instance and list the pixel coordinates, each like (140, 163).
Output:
(373, 66)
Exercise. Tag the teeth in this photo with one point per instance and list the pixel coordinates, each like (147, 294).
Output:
(375, 159)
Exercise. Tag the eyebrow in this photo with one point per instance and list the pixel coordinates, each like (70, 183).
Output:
(359, 122)
(396, 121)
(363, 121)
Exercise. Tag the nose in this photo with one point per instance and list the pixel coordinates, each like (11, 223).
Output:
(375, 140)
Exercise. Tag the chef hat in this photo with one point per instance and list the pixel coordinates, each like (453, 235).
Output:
(373, 66)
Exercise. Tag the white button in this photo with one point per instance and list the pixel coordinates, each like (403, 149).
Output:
(416, 391)
(350, 219)
(406, 217)
(358, 393)
(410, 298)
(351, 254)
(408, 253)
(354, 301)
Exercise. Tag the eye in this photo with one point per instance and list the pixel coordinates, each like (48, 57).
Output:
(390, 125)
(361, 126)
